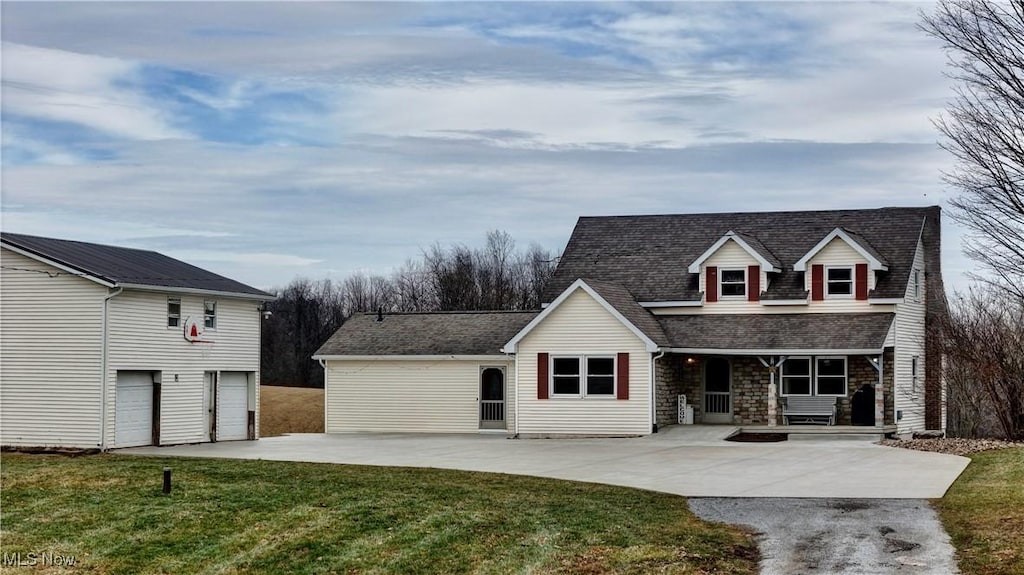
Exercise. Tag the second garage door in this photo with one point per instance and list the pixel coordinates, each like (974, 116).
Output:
(233, 412)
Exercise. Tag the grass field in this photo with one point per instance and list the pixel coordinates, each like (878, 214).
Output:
(275, 517)
(290, 410)
(984, 514)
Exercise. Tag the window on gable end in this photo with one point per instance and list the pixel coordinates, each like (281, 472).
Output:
(732, 283)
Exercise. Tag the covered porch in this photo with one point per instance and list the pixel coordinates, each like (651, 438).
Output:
(751, 390)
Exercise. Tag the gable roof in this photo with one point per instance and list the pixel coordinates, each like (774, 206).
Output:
(425, 334)
(127, 267)
(649, 255)
(749, 243)
(778, 333)
(852, 239)
(616, 300)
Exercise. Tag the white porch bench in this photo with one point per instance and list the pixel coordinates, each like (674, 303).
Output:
(811, 409)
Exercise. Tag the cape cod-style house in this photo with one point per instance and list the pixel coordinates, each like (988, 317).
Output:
(756, 319)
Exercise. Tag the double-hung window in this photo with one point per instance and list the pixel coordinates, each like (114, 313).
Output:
(732, 283)
(828, 375)
(796, 376)
(839, 281)
(173, 312)
(210, 314)
(582, 376)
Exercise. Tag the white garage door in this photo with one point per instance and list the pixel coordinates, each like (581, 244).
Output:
(233, 415)
(134, 409)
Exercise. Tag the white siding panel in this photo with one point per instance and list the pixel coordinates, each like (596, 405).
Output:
(141, 340)
(582, 326)
(438, 396)
(50, 356)
(910, 325)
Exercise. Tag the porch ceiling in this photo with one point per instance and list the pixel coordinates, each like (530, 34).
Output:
(778, 333)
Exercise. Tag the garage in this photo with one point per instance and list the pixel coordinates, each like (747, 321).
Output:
(233, 409)
(134, 408)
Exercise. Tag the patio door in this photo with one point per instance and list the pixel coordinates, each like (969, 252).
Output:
(717, 391)
(492, 398)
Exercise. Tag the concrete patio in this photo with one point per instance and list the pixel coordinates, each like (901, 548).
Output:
(684, 460)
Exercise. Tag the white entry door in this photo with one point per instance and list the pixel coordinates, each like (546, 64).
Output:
(133, 409)
(717, 391)
(233, 406)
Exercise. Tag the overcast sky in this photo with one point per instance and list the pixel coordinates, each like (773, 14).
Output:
(266, 141)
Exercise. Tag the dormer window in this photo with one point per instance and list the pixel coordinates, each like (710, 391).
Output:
(839, 281)
(733, 283)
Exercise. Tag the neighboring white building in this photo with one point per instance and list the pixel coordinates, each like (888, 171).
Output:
(106, 347)
(743, 314)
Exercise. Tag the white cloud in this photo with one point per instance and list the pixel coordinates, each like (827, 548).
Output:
(62, 86)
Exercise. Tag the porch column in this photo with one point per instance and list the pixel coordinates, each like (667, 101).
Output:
(876, 362)
(773, 393)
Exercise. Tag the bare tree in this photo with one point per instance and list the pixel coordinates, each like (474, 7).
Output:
(984, 130)
(984, 345)
(306, 313)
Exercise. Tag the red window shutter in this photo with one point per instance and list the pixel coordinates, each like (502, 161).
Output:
(623, 371)
(542, 376)
(817, 282)
(711, 283)
(860, 276)
(753, 283)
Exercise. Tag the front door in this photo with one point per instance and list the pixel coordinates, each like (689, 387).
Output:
(492, 398)
(717, 391)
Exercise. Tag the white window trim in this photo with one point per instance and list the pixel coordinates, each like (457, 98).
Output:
(169, 316)
(846, 375)
(214, 315)
(853, 282)
(810, 377)
(916, 279)
(746, 284)
(582, 359)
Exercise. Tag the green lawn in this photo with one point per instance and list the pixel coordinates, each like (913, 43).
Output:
(984, 514)
(272, 517)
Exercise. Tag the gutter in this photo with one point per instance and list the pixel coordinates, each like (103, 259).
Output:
(103, 367)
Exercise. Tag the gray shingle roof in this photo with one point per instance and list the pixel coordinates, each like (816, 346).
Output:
(438, 333)
(619, 298)
(760, 248)
(121, 266)
(649, 255)
(806, 331)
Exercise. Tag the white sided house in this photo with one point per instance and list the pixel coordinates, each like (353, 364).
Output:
(760, 320)
(107, 347)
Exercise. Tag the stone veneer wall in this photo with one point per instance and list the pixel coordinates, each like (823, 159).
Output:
(674, 376)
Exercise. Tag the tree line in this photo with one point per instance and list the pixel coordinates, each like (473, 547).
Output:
(496, 276)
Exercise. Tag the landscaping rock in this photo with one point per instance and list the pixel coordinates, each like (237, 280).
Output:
(951, 445)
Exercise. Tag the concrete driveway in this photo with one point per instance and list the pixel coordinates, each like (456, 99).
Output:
(684, 460)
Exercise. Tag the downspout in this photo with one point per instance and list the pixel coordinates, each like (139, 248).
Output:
(103, 368)
(654, 390)
(323, 364)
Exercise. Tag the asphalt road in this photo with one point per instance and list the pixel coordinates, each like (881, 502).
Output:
(839, 536)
